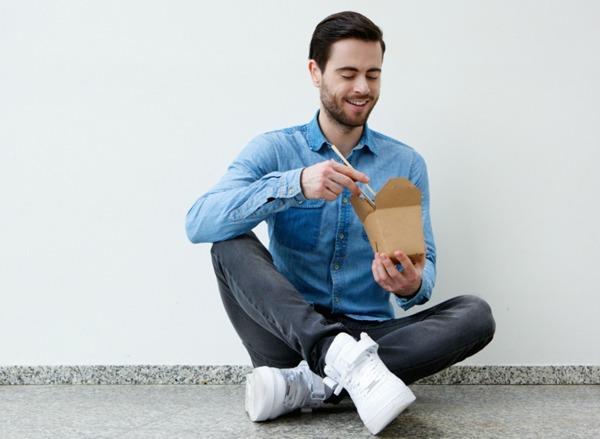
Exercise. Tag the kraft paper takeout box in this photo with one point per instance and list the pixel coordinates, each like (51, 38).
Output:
(395, 223)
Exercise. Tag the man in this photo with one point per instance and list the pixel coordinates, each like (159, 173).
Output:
(300, 307)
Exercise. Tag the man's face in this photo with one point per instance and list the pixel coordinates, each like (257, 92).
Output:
(349, 86)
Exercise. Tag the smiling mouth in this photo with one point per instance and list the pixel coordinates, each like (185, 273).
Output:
(357, 102)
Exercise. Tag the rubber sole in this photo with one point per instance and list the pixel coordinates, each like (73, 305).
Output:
(389, 411)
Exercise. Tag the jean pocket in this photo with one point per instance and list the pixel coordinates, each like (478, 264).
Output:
(299, 227)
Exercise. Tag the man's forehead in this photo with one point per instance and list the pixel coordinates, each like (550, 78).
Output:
(355, 53)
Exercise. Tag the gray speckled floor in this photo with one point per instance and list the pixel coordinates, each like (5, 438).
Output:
(216, 411)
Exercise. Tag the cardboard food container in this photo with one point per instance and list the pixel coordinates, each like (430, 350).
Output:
(395, 223)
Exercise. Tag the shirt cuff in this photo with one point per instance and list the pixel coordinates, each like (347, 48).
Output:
(291, 189)
(418, 298)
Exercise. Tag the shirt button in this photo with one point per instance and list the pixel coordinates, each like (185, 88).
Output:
(336, 266)
(337, 300)
(345, 200)
(300, 201)
(341, 235)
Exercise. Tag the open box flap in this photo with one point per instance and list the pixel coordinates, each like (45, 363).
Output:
(395, 223)
(398, 192)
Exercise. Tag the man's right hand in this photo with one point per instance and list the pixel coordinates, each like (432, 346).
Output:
(327, 180)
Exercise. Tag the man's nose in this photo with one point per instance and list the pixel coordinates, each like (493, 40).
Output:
(361, 86)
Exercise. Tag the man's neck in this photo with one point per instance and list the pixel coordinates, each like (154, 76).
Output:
(343, 137)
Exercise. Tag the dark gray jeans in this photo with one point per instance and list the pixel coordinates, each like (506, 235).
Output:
(279, 327)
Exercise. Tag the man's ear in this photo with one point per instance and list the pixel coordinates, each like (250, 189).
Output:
(315, 73)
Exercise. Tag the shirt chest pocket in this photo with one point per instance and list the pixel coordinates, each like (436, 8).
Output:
(299, 227)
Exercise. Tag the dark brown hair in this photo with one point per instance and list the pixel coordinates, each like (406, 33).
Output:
(347, 24)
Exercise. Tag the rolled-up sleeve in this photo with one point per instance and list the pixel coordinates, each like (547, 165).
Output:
(252, 189)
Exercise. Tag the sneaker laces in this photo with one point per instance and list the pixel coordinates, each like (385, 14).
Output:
(303, 388)
(362, 361)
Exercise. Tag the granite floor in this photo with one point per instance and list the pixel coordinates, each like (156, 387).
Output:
(216, 411)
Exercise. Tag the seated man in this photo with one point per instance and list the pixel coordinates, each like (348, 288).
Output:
(314, 310)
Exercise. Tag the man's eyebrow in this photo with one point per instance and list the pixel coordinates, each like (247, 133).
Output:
(354, 69)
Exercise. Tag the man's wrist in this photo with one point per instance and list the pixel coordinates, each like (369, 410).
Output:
(413, 294)
(301, 185)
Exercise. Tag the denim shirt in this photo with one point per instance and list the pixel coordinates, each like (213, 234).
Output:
(320, 246)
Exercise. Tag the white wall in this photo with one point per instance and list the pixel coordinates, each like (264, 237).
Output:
(115, 116)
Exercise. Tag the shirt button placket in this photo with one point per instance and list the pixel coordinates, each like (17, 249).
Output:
(339, 250)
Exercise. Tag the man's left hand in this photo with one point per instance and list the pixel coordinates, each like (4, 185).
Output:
(402, 283)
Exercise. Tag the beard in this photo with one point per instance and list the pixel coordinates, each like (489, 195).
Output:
(335, 109)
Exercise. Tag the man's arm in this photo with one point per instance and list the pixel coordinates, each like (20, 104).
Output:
(250, 191)
(253, 188)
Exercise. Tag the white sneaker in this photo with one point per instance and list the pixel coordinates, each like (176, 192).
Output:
(378, 394)
(272, 392)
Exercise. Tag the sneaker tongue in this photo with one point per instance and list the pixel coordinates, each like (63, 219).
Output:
(354, 353)
(340, 340)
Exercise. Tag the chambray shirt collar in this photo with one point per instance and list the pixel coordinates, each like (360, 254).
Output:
(316, 139)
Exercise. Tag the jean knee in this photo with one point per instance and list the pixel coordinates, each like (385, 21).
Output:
(480, 315)
(216, 248)
(232, 245)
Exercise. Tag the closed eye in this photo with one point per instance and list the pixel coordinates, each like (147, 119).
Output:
(369, 77)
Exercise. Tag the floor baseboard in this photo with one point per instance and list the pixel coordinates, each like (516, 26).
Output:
(149, 374)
